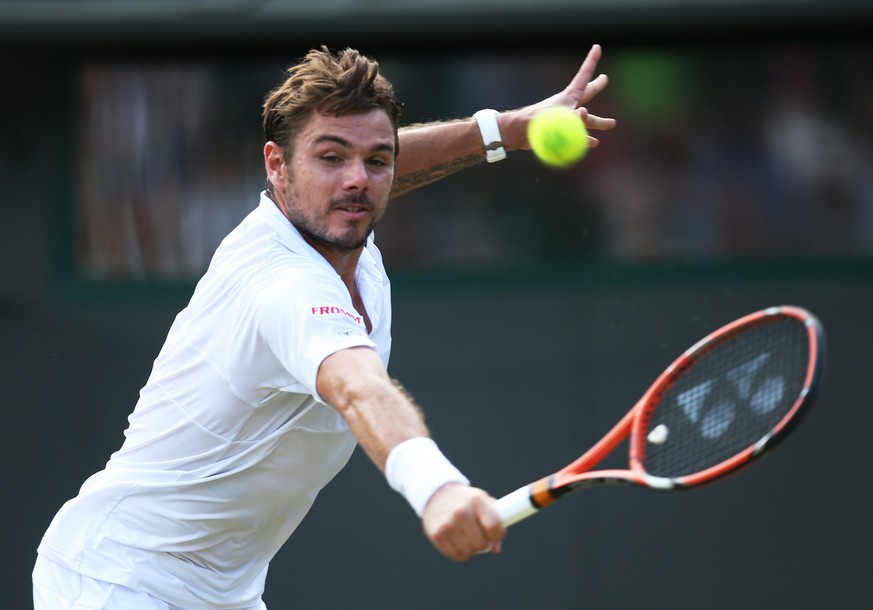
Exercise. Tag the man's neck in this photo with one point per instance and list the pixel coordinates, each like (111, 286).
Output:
(343, 260)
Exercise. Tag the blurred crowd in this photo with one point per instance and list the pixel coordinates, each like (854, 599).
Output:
(720, 153)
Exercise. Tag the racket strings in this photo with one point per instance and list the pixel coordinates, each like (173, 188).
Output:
(729, 396)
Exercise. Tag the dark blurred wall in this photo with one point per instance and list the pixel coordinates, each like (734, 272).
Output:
(516, 380)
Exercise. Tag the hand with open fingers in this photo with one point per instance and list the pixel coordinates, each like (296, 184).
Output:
(460, 522)
(583, 88)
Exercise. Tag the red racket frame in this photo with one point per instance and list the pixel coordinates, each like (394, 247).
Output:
(634, 424)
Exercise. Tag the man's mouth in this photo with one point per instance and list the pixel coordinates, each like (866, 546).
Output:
(356, 206)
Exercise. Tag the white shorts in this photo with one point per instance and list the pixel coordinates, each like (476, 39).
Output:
(57, 587)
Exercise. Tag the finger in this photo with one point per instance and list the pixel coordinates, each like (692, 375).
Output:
(593, 88)
(489, 521)
(577, 88)
(446, 543)
(469, 545)
(599, 123)
(478, 531)
(492, 527)
(462, 536)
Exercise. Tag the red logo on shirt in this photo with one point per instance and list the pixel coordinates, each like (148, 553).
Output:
(332, 311)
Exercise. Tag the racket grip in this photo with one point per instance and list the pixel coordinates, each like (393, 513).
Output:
(515, 506)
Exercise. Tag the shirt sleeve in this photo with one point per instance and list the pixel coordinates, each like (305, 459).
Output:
(303, 318)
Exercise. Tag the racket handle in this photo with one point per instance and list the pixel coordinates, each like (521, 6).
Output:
(515, 506)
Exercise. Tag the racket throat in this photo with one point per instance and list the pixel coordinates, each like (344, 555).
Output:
(544, 492)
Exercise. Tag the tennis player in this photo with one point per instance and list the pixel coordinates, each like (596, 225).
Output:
(277, 367)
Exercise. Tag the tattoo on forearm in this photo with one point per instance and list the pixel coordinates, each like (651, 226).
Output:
(413, 180)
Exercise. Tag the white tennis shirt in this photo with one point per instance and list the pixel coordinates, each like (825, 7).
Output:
(229, 444)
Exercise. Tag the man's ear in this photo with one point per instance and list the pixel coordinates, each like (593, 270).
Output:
(274, 163)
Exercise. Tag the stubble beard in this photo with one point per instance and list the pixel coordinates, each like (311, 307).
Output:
(320, 235)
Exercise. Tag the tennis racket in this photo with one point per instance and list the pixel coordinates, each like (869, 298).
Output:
(722, 404)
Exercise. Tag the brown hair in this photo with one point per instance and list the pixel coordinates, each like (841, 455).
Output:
(344, 83)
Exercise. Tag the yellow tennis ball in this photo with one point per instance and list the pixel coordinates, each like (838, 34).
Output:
(557, 136)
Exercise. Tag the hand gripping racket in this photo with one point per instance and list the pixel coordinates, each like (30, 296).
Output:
(720, 405)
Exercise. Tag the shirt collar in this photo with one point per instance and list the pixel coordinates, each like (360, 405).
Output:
(294, 241)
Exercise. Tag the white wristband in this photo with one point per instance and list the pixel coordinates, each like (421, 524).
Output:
(417, 469)
(487, 121)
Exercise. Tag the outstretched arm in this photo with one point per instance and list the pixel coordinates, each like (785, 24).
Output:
(432, 151)
(457, 518)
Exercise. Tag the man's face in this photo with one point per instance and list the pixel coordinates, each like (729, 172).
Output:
(338, 179)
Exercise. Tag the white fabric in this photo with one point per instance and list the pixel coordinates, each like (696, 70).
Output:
(228, 445)
(417, 469)
(57, 587)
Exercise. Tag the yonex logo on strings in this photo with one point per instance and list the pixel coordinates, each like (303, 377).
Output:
(716, 419)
